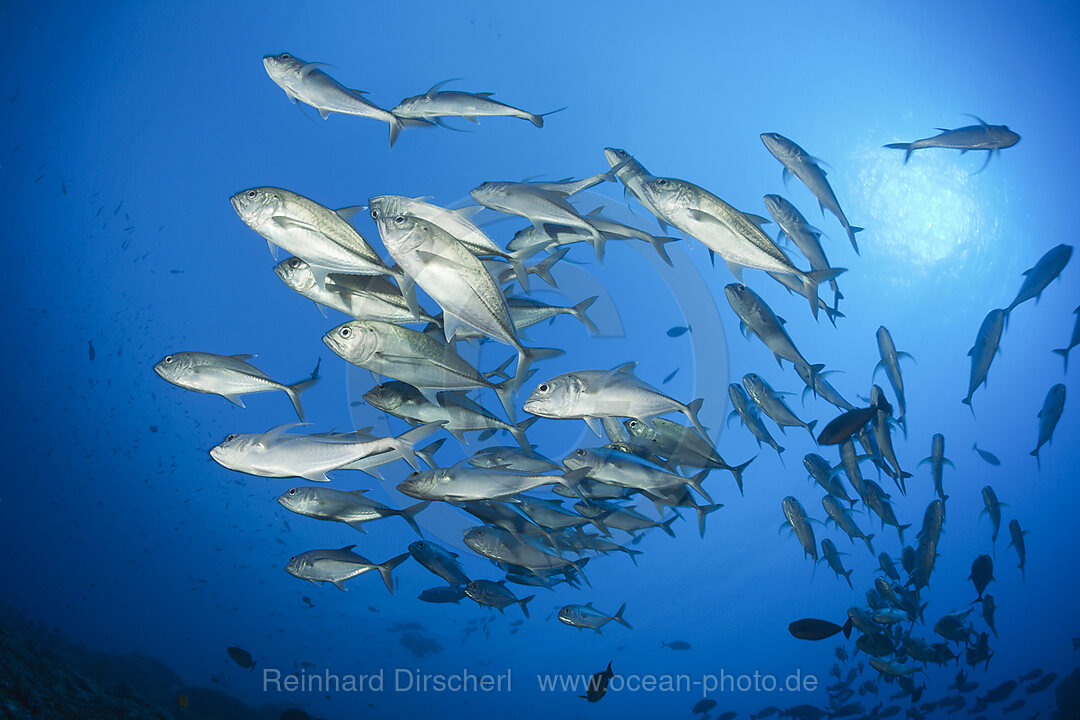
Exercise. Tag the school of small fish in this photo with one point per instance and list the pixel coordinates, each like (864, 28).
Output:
(542, 520)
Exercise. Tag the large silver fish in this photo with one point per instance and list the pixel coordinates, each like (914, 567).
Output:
(1049, 416)
(305, 82)
(808, 169)
(586, 616)
(594, 394)
(772, 404)
(275, 453)
(436, 104)
(991, 138)
(539, 206)
(337, 566)
(230, 376)
(1044, 272)
(759, 319)
(805, 236)
(890, 363)
(353, 508)
(682, 446)
(983, 351)
(440, 561)
(630, 471)
(463, 484)
(798, 521)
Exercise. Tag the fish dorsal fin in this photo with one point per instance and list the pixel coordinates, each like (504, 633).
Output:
(437, 86)
(978, 119)
(311, 67)
(595, 212)
(348, 214)
(484, 94)
(756, 219)
(274, 433)
(244, 356)
(781, 320)
(468, 211)
(359, 492)
(625, 368)
(589, 604)
(347, 548)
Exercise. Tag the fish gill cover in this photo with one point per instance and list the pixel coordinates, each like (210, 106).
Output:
(508, 418)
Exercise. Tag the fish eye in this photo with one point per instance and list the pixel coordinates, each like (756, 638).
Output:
(399, 220)
(374, 214)
(580, 452)
(662, 182)
(543, 387)
(294, 263)
(292, 491)
(633, 423)
(230, 438)
(251, 193)
(345, 332)
(285, 56)
(168, 359)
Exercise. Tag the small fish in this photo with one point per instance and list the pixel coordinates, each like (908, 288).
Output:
(1039, 276)
(670, 375)
(991, 138)
(675, 645)
(813, 629)
(982, 572)
(90, 345)
(1073, 341)
(677, 331)
(986, 455)
(241, 657)
(1048, 417)
(703, 706)
(1017, 541)
(598, 685)
(984, 350)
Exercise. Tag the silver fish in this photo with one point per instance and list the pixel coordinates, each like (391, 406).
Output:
(304, 82)
(890, 363)
(805, 236)
(1016, 540)
(440, 561)
(630, 471)
(832, 556)
(992, 507)
(1044, 272)
(337, 566)
(463, 483)
(772, 404)
(586, 616)
(352, 508)
(436, 104)
(1049, 416)
(983, 351)
(759, 319)
(798, 521)
(808, 169)
(938, 461)
(843, 519)
(682, 446)
(495, 594)
(748, 413)
(229, 376)
(539, 206)
(991, 138)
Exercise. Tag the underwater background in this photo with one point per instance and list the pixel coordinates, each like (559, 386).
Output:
(128, 126)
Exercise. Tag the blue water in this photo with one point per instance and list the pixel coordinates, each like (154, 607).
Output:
(126, 129)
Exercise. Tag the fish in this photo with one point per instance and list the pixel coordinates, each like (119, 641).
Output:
(888, 566)
(622, 469)
(230, 376)
(988, 608)
(989, 457)
(806, 237)
(522, 460)
(368, 297)
(1039, 276)
(448, 594)
(991, 138)
(594, 394)
(321, 237)
(938, 461)
(437, 103)
(350, 507)
(337, 566)
(733, 235)
(1017, 541)
(626, 518)
(878, 501)
(881, 424)
(675, 645)
(1043, 683)
(682, 446)
(772, 404)
(925, 555)
(241, 657)
(278, 454)
(587, 617)
(1073, 341)
(822, 473)
(304, 82)
(814, 629)
(412, 357)
(832, 556)
(598, 685)
(843, 426)
(703, 706)
(890, 363)
(677, 331)
(983, 351)
(821, 387)
(842, 518)
(992, 507)
(462, 484)
(526, 312)
(539, 206)
(1048, 417)
(748, 412)
(633, 175)
(808, 169)
(90, 348)
(440, 561)
(760, 320)
(495, 594)
(798, 521)
(982, 572)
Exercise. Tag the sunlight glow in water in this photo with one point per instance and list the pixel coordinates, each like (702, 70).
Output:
(932, 215)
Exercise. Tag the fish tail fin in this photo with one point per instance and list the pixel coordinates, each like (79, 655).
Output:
(403, 444)
(847, 576)
(1035, 454)
(658, 244)
(518, 431)
(295, 390)
(901, 528)
(737, 472)
(815, 370)
(618, 617)
(428, 454)
(409, 515)
(846, 629)
(691, 412)
(505, 391)
(538, 120)
(703, 512)
(386, 567)
(869, 543)
(579, 313)
(524, 603)
(851, 230)
(516, 261)
(906, 147)
(811, 280)
(1064, 352)
(543, 268)
(810, 427)
(967, 401)
(695, 482)
(526, 357)
(666, 525)
(395, 128)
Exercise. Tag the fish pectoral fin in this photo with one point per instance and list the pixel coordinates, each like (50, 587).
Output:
(324, 113)
(234, 399)
(736, 270)
(595, 425)
(287, 223)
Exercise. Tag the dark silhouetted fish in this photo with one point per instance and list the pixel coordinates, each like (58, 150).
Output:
(814, 629)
